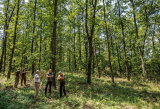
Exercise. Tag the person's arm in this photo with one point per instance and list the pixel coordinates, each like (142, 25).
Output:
(19, 75)
(40, 76)
(58, 78)
(49, 76)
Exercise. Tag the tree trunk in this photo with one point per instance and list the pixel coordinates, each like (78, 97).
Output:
(144, 37)
(74, 49)
(53, 43)
(40, 43)
(124, 51)
(109, 54)
(14, 41)
(80, 48)
(139, 48)
(5, 36)
(118, 56)
(33, 38)
(90, 38)
(96, 59)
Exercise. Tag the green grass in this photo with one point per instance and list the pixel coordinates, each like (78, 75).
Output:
(101, 94)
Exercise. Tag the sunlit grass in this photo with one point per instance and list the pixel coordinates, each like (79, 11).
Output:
(101, 93)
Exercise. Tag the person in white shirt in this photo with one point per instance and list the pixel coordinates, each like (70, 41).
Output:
(37, 83)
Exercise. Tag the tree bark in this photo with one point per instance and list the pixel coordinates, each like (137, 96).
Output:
(96, 60)
(74, 49)
(139, 48)
(109, 54)
(80, 48)
(33, 67)
(90, 38)
(4, 38)
(124, 51)
(53, 43)
(118, 56)
(14, 41)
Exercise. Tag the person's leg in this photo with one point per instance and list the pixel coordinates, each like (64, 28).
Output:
(50, 88)
(46, 88)
(36, 90)
(64, 89)
(22, 80)
(60, 89)
(25, 79)
(16, 82)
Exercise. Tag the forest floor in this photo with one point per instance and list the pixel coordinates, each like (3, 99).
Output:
(101, 94)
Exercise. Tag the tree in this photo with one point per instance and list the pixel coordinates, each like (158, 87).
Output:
(14, 40)
(90, 37)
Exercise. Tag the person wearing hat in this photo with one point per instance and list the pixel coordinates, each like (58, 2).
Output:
(23, 73)
(49, 81)
(37, 83)
(61, 79)
(17, 78)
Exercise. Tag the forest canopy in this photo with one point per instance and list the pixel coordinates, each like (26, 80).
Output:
(117, 38)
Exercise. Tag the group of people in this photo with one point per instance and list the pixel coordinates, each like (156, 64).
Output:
(49, 76)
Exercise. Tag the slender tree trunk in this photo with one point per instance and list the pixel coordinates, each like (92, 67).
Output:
(144, 37)
(33, 67)
(124, 51)
(90, 38)
(86, 49)
(109, 54)
(131, 57)
(53, 43)
(114, 65)
(40, 48)
(14, 41)
(80, 48)
(153, 37)
(118, 56)
(74, 49)
(139, 48)
(96, 59)
(93, 58)
(4, 38)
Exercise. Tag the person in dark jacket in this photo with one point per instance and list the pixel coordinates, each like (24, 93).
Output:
(49, 81)
(61, 79)
(23, 74)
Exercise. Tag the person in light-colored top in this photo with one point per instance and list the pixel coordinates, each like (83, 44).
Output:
(37, 83)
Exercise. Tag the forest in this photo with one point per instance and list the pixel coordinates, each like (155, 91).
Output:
(109, 51)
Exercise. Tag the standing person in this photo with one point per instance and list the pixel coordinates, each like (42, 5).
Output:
(61, 78)
(17, 77)
(37, 83)
(49, 81)
(23, 73)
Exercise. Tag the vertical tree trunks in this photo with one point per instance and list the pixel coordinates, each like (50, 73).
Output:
(14, 41)
(109, 54)
(53, 42)
(90, 38)
(74, 49)
(96, 59)
(139, 48)
(33, 67)
(4, 38)
(80, 48)
(125, 60)
(118, 56)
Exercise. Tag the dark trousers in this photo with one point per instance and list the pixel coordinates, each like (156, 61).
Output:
(16, 81)
(62, 85)
(48, 83)
(23, 79)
